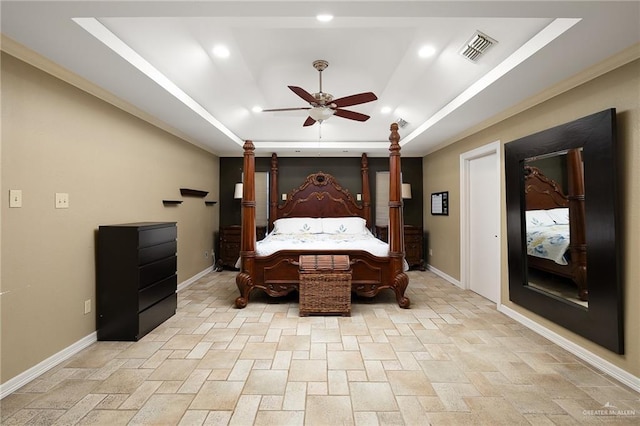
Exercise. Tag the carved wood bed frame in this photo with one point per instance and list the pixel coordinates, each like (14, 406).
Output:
(543, 193)
(321, 196)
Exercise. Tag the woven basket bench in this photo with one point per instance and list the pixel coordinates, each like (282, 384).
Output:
(325, 285)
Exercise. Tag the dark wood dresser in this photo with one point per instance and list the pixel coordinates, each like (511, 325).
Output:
(230, 245)
(412, 244)
(136, 278)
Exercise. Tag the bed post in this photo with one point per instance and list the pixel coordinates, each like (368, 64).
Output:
(396, 225)
(273, 191)
(366, 191)
(248, 230)
(578, 247)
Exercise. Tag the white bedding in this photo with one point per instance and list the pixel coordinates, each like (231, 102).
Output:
(304, 241)
(344, 233)
(548, 234)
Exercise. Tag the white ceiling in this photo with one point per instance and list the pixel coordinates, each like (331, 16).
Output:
(370, 46)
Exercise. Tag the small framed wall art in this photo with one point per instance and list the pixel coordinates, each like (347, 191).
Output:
(440, 203)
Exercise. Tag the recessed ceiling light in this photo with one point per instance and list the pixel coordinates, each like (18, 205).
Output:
(324, 17)
(221, 51)
(426, 51)
(256, 109)
(385, 110)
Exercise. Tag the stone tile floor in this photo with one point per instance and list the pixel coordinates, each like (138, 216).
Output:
(450, 359)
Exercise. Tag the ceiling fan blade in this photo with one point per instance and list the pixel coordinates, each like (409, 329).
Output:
(360, 98)
(351, 115)
(284, 109)
(303, 94)
(308, 122)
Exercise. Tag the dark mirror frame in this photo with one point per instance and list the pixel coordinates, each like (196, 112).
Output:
(602, 321)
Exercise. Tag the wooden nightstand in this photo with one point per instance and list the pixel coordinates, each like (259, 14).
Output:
(412, 244)
(230, 245)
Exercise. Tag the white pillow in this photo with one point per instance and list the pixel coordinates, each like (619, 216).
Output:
(538, 218)
(344, 225)
(297, 225)
(560, 216)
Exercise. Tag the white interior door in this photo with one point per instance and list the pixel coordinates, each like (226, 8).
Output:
(482, 216)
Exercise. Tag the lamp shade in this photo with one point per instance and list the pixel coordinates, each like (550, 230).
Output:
(406, 190)
(237, 193)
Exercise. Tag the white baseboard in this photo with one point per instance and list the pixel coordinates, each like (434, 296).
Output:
(589, 357)
(193, 279)
(36, 371)
(445, 276)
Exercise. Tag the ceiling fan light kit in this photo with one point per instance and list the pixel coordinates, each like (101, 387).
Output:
(320, 113)
(323, 106)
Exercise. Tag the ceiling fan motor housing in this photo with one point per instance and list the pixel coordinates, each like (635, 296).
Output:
(323, 99)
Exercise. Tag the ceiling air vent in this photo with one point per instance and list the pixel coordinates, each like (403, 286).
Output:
(477, 46)
(402, 123)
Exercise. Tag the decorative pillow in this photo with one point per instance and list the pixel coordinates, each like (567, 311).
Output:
(560, 216)
(344, 225)
(297, 225)
(538, 218)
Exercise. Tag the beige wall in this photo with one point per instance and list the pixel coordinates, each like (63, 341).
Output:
(616, 89)
(116, 168)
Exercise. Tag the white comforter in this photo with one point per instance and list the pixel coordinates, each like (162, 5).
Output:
(549, 242)
(363, 241)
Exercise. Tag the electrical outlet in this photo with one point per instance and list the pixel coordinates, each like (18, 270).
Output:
(62, 200)
(87, 306)
(430, 252)
(15, 198)
(206, 254)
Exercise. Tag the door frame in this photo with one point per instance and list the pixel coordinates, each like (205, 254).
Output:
(465, 240)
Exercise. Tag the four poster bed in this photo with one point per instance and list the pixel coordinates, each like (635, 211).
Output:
(321, 217)
(555, 223)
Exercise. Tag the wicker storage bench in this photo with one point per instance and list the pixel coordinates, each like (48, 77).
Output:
(325, 285)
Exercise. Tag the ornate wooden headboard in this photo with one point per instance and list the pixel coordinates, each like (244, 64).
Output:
(541, 192)
(320, 195)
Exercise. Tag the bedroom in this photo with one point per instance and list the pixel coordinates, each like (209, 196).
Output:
(119, 172)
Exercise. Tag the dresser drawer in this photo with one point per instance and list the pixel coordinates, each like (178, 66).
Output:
(230, 238)
(412, 239)
(157, 252)
(151, 237)
(156, 314)
(151, 294)
(156, 271)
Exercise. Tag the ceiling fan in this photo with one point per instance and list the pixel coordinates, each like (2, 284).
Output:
(322, 105)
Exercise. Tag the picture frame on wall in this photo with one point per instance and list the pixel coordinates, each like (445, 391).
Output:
(440, 203)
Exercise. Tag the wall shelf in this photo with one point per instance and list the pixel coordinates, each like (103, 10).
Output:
(186, 192)
(171, 202)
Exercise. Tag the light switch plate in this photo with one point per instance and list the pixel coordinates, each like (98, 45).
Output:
(15, 198)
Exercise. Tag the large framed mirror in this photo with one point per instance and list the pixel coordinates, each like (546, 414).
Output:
(562, 225)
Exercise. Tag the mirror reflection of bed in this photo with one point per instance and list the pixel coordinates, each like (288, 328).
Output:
(555, 230)
(591, 193)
